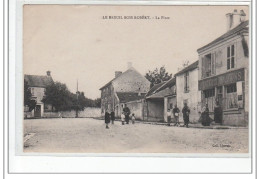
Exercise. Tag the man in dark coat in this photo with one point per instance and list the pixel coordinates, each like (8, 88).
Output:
(107, 119)
(127, 113)
(186, 114)
(218, 113)
(112, 116)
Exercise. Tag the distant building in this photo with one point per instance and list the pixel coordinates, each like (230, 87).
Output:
(223, 71)
(37, 85)
(125, 87)
(159, 99)
(188, 92)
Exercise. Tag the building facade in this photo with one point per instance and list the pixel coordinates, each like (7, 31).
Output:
(188, 92)
(125, 87)
(37, 85)
(158, 100)
(223, 72)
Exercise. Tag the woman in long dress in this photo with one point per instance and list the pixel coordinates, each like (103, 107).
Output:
(205, 120)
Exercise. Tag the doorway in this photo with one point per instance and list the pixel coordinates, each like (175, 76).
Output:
(37, 112)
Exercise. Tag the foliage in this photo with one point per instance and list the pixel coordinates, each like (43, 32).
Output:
(157, 76)
(28, 97)
(58, 95)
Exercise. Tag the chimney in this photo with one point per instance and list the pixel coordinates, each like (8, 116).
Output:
(242, 16)
(129, 65)
(117, 73)
(235, 18)
(48, 73)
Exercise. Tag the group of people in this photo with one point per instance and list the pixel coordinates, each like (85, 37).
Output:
(176, 112)
(204, 118)
(125, 117)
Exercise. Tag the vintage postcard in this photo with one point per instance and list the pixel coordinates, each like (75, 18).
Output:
(136, 79)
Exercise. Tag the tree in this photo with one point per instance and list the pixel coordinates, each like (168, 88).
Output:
(97, 102)
(28, 101)
(157, 76)
(58, 95)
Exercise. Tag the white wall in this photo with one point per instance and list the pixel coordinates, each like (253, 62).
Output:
(38, 92)
(193, 96)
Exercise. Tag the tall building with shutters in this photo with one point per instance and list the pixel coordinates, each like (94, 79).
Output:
(223, 71)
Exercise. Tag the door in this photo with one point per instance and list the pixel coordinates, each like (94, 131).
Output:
(218, 114)
(37, 111)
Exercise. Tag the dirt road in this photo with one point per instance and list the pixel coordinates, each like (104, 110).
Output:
(89, 135)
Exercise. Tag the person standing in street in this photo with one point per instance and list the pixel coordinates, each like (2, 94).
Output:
(133, 118)
(112, 115)
(123, 118)
(127, 113)
(205, 120)
(218, 113)
(169, 117)
(107, 119)
(176, 113)
(186, 114)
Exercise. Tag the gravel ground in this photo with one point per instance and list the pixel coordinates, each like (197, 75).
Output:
(89, 135)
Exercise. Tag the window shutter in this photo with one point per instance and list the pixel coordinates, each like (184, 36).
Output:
(203, 67)
(213, 64)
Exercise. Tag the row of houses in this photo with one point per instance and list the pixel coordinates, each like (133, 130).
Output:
(218, 77)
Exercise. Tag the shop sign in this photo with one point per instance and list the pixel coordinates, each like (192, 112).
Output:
(224, 79)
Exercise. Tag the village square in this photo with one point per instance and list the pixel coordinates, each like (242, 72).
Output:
(202, 108)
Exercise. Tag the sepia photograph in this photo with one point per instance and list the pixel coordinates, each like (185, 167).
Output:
(136, 79)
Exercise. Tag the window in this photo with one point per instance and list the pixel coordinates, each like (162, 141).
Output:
(231, 96)
(208, 65)
(32, 91)
(209, 93)
(231, 57)
(186, 82)
(232, 88)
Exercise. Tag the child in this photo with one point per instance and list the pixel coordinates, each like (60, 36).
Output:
(133, 118)
(123, 118)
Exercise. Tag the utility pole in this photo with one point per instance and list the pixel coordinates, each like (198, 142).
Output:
(77, 108)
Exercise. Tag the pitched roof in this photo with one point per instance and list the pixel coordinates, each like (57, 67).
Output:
(161, 94)
(241, 26)
(38, 81)
(129, 96)
(171, 82)
(154, 88)
(188, 68)
(116, 78)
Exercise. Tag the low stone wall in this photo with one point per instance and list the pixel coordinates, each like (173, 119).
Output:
(88, 112)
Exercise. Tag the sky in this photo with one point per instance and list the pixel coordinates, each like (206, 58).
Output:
(74, 42)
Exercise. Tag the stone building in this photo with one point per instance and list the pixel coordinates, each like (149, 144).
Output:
(223, 71)
(188, 92)
(37, 85)
(158, 100)
(125, 87)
